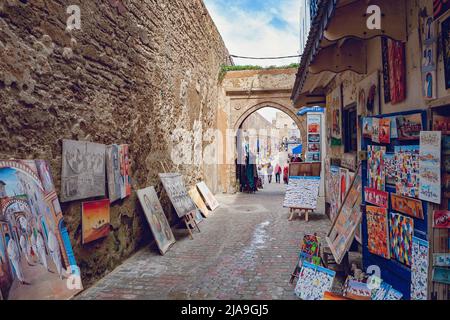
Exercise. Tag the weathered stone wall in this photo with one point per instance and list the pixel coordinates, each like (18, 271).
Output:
(133, 74)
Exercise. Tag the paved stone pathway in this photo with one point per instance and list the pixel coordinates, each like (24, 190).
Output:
(246, 250)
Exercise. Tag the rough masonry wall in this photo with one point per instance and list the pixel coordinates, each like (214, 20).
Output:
(136, 71)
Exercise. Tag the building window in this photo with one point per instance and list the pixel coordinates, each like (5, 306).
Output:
(350, 129)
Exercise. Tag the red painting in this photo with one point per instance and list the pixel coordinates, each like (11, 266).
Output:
(376, 197)
(385, 131)
(441, 219)
(397, 71)
(378, 231)
(411, 207)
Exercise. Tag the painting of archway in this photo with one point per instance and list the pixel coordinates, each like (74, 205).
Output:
(36, 256)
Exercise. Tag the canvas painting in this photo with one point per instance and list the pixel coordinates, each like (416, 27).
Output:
(356, 290)
(441, 275)
(419, 269)
(446, 185)
(441, 123)
(394, 133)
(381, 292)
(302, 192)
(441, 219)
(376, 197)
(440, 7)
(115, 182)
(409, 127)
(313, 282)
(311, 245)
(397, 70)
(376, 130)
(393, 295)
(36, 256)
(386, 76)
(83, 170)
(378, 231)
(367, 127)
(384, 132)
(445, 27)
(95, 220)
(156, 219)
(375, 168)
(125, 170)
(401, 230)
(210, 200)
(334, 194)
(441, 260)
(430, 166)
(390, 168)
(344, 183)
(178, 195)
(408, 206)
(368, 103)
(197, 198)
(335, 105)
(429, 57)
(408, 178)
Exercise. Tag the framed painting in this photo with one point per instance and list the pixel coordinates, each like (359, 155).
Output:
(378, 231)
(83, 170)
(95, 220)
(409, 127)
(408, 206)
(156, 219)
(419, 269)
(35, 250)
(401, 230)
(430, 166)
(210, 200)
(375, 168)
(314, 281)
(177, 193)
(197, 198)
(441, 275)
(408, 175)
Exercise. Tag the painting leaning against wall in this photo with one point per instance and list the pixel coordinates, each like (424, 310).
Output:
(36, 256)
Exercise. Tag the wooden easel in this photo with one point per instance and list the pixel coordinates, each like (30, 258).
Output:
(189, 219)
(299, 212)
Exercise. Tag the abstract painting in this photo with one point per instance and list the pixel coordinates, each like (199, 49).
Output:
(178, 195)
(384, 132)
(407, 162)
(197, 198)
(430, 166)
(376, 173)
(408, 206)
(210, 200)
(385, 63)
(311, 245)
(441, 219)
(125, 170)
(401, 230)
(445, 26)
(156, 219)
(313, 282)
(36, 256)
(113, 175)
(302, 193)
(409, 127)
(419, 269)
(378, 231)
(83, 170)
(376, 197)
(95, 220)
(390, 168)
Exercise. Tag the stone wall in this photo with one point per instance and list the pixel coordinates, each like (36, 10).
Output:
(136, 71)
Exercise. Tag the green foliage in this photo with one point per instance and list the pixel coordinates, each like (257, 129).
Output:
(224, 69)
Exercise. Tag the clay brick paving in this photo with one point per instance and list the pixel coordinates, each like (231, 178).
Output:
(246, 250)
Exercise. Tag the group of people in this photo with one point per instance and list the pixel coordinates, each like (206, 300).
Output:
(278, 171)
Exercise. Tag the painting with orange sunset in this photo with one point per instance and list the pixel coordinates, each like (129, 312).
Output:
(96, 220)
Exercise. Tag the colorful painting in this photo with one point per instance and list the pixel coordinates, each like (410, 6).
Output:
(441, 123)
(368, 103)
(446, 185)
(397, 70)
(378, 231)
(381, 292)
(375, 168)
(83, 170)
(430, 166)
(385, 63)
(95, 219)
(376, 197)
(408, 206)
(302, 193)
(390, 168)
(384, 134)
(115, 182)
(156, 219)
(333, 191)
(125, 170)
(441, 275)
(441, 260)
(178, 195)
(344, 183)
(408, 178)
(314, 281)
(440, 7)
(367, 127)
(197, 198)
(445, 26)
(330, 296)
(210, 200)
(311, 245)
(394, 133)
(36, 256)
(401, 230)
(356, 290)
(376, 130)
(393, 295)
(419, 269)
(334, 102)
(429, 56)
(409, 127)
(441, 219)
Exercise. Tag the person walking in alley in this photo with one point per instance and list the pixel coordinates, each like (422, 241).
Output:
(278, 173)
(286, 173)
(269, 173)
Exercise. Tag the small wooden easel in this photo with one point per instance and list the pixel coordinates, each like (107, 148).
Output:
(299, 212)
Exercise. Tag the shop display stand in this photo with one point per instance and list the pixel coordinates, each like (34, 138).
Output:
(299, 212)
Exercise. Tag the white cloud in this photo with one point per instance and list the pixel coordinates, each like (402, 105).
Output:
(248, 32)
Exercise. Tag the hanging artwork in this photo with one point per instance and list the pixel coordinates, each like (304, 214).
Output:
(378, 231)
(429, 57)
(440, 7)
(409, 127)
(83, 170)
(356, 290)
(376, 197)
(369, 95)
(441, 123)
(441, 260)
(441, 219)
(384, 132)
(407, 162)
(386, 75)
(335, 104)
(394, 133)
(441, 275)
(390, 167)
(397, 71)
(178, 195)
(334, 194)
(408, 206)
(36, 255)
(445, 27)
(156, 219)
(114, 177)
(197, 198)
(367, 124)
(430, 166)
(419, 269)
(95, 220)
(344, 183)
(302, 192)
(401, 232)
(376, 130)
(313, 282)
(125, 170)
(210, 200)
(375, 168)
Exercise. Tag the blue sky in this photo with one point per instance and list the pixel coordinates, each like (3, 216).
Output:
(9, 177)
(263, 28)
